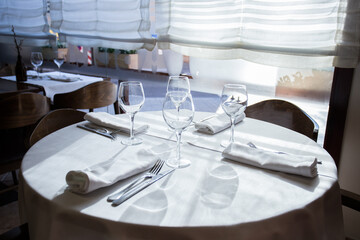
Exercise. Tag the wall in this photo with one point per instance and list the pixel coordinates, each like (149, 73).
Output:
(349, 169)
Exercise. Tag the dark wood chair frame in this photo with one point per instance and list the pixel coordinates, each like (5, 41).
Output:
(20, 113)
(285, 114)
(95, 95)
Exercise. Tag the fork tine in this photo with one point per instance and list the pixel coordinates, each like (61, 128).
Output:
(159, 167)
(153, 169)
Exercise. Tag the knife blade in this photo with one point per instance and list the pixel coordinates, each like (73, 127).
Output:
(141, 187)
(83, 126)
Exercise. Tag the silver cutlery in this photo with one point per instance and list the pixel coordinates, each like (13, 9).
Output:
(141, 187)
(151, 173)
(100, 130)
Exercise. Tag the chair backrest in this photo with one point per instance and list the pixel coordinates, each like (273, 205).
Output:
(23, 109)
(285, 114)
(95, 95)
(54, 121)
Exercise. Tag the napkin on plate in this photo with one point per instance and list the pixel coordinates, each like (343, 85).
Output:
(217, 124)
(111, 171)
(112, 121)
(294, 164)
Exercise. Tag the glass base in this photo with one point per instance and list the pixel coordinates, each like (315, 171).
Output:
(175, 163)
(133, 141)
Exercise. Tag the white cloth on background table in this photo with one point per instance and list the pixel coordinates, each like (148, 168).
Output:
(105, 119)
(113, 170)
(52, 87)
(217, 124)
(294, 164)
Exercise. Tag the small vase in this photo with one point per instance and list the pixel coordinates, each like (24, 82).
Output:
(20, 70)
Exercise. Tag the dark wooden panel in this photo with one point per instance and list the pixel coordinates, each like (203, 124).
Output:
(339, 100)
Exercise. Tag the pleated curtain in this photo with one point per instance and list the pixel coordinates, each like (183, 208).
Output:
(119, 24)
(286, 33)
(29, 20)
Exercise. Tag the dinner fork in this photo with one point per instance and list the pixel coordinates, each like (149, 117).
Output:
(152, 172)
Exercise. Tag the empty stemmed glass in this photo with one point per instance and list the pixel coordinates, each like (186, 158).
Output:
(59, 60)
(233, 101)
(131, 98)
(36, 60)
(178, 84)
(178, 115)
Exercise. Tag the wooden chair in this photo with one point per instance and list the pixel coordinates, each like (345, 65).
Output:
(53, 121)
(94, 95)
(285, 114)
(19, 115)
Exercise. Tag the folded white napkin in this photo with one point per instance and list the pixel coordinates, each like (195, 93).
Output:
(112, 121)
(294, 164)
(217, 124)
(57, 76)
(115, 169)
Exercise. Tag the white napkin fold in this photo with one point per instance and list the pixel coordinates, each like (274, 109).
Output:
(294, 164)
(112, 121)
(111, 171)
(217, 124)
(57, 76)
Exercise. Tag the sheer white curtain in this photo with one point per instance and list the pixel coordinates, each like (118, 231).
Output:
(120, 24)
(29, 20)
(286, 33)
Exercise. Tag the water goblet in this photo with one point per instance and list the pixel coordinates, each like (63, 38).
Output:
(234, 100)
(36, 60)
(178, 115)
(131, 98)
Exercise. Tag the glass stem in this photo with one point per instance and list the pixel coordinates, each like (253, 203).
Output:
(37, 73)
(178, 137)
(132, 115)
(232, 119)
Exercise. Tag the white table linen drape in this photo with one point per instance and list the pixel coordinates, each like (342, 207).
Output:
(214, 198)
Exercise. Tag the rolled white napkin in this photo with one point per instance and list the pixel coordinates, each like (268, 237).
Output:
(112, 121)
(115, 169)
(217, 124)
(294, 164)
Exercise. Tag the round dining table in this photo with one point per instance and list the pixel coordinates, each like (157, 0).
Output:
(213, 198)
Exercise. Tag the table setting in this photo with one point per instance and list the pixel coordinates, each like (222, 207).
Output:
(179, 174)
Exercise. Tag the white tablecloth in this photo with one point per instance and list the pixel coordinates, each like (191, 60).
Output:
(212, 199)
(53, 87)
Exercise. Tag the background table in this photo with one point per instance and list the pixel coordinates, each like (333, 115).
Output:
(52, 87)
(214, 198)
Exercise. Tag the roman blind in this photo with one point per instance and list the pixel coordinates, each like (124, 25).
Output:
(29, 20)
(119, 24)
(286, 33)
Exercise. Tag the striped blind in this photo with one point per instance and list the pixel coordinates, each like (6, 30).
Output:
(120, 24)
(287, 33)
(29, 20)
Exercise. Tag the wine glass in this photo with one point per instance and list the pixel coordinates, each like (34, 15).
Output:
(59, 60)
(178, 84)
(36, 60)
(178, 117)
(233, 101)
(131, 98)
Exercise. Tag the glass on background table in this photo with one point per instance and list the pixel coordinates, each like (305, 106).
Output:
(213, 198)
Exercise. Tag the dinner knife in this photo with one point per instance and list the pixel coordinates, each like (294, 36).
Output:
(141, 187)
(83, 126)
